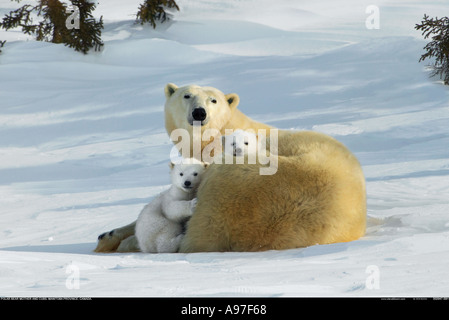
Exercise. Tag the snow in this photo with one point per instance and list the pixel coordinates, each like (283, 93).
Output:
(83, 146)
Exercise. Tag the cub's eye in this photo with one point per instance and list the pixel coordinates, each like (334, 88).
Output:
(195, 174)
(181, 174)
(246, 143)
(187, 96)
(214, 101)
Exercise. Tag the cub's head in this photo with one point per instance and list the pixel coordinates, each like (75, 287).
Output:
(186, 174)
(240, 143)
(205, 106)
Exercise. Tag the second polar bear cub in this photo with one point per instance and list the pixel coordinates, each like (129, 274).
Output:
(240, 143)
(159, 227)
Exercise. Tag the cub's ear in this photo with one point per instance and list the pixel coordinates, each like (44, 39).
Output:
(170, 88)
(206, 164)
(171, 165)
(233, 100)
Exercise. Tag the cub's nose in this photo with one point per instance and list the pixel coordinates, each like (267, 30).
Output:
(199, 114)
(187, 183)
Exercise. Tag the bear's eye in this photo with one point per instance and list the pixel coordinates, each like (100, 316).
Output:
(214, 101)
(187, 96)
(181, 174)
(195, 174)
(246, 143)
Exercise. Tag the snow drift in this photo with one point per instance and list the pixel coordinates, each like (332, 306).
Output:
(83, 146)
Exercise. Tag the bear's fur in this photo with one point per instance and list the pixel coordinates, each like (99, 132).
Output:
(159, 227)
(317, 196)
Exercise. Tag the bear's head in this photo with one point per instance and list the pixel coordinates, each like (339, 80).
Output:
(186, 174)
(241, 143)
(204, 106)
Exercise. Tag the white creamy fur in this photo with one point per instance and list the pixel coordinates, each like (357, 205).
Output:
(159, 227)
(240, 143)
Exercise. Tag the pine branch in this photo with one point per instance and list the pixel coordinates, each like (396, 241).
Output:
(152, 11)
(2, 43)
(53, 27)
(437, 29)
(20, 18)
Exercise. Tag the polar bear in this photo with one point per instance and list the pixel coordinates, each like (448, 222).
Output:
(206, 107)
(240, 143)
(160, 224)
(316, 196)
(159, 227)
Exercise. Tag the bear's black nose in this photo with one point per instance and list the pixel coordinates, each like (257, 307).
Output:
(187, 183)
(199, 114)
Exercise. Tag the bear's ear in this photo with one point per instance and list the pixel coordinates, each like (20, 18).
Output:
(171, 165)
(205, 164)
(170, 88)
(233, 100)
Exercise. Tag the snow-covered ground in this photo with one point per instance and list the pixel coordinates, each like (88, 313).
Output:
(83, 145)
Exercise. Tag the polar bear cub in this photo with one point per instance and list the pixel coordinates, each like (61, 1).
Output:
(159, 227)
(240, 143)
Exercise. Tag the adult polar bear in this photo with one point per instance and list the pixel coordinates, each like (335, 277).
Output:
(317, 195)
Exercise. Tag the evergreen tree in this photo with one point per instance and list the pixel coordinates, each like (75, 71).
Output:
(152, 11)
(2, 43)
(438, 48)
(55, 25)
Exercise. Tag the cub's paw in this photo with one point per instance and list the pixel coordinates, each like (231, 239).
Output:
(193, 203)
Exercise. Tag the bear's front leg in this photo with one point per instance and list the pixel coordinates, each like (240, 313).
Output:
(179, 211)
(110, 241)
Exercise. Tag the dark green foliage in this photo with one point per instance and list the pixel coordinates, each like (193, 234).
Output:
(20, 18)
(438, 48)
(89, 33)
(57, 23)
(152, 11)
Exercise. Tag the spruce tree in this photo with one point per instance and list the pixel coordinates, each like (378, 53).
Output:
(152, 11)
(438, 48)
(55, 25)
